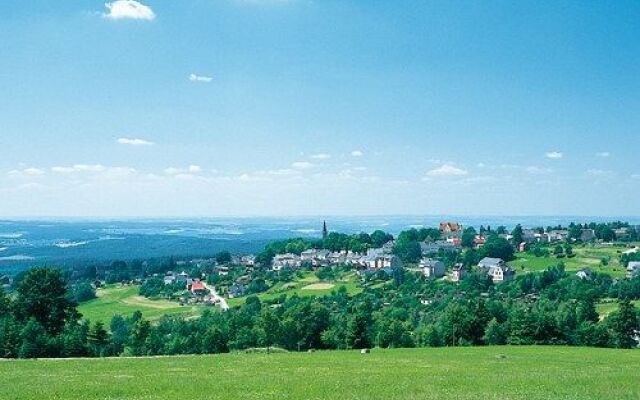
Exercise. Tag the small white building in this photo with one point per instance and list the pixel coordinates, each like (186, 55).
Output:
(633, 269)
(432, 268)
(285, 261)
(584, 273)
(458, 272)
(497, 269)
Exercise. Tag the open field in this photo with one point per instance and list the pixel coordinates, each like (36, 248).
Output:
(527, 373)
(125, 300)
(319, 286)
(586, 256)
(307, 285)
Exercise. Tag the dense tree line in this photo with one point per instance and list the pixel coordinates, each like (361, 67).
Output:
(552, 307)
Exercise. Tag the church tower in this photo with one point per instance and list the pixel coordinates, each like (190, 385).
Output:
(325, 232)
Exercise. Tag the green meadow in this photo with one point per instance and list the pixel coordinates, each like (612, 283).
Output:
(585, 256)
(480, 373)
(307, 285)
(124, 300)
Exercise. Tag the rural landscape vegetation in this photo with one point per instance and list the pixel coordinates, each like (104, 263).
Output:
(559, 286)
(319, 199)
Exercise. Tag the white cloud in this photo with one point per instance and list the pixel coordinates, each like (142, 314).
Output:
(554, 155)
(128, 9)
(26, 172)
(200, 78)
(172, 171)
(447, 170)
(302, 165)
(191, 169)
(134, 142)
(357, 153)
(603, 154)
(321, 156)
(79, 168)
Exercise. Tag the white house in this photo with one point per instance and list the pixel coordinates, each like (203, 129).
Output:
(497, 269)
(432, 268)
(458, 272)
(317, 257)
(376, 260)
(285, 261)
(633, 269)
(584, 273)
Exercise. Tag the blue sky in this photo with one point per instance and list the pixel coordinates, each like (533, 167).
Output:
(318, 107)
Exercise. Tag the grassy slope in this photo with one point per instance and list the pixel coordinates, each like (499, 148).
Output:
(528, 373)
(125, 300)
(301, 287)
(585, 257)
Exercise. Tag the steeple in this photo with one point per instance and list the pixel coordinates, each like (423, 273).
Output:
(325, 232)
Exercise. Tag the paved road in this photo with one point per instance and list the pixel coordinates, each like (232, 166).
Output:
(219, 299)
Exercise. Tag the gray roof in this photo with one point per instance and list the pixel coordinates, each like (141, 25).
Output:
(633, 265)
(429, 262)
(490, 262)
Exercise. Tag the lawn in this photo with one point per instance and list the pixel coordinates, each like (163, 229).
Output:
(586, 256)
(306, 285)
(465, 373)
(125, 300)
(605, 308)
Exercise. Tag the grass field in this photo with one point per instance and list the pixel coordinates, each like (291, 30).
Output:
(307, 285)
(606, 307)
(125, 300)
(587, 256)
(506, 373)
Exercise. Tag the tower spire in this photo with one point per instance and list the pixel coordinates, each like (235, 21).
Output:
(325, 232)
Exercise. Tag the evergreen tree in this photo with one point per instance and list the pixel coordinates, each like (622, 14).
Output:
(496, 333)
(622, 325)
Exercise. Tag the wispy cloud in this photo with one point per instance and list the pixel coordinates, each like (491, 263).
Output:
(321, 156)
(200, 78)
(603, 154)
(357, 153)
(134, 142)
(79, 168)
(191, 169)
(26, 172)
(128, 9)
(302, 165)
(554, 155)
(447, 170)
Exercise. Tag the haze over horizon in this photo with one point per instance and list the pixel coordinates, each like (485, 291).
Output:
(305, 107)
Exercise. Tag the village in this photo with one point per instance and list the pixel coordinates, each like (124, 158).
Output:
(218, 280)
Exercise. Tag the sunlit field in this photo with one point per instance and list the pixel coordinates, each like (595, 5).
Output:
(527, 373)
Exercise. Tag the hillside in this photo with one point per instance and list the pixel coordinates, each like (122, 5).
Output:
(529, 373)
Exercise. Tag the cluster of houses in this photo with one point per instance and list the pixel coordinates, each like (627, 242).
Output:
(496, 268)
(383, 259)
(374, 260)
(194, 286)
